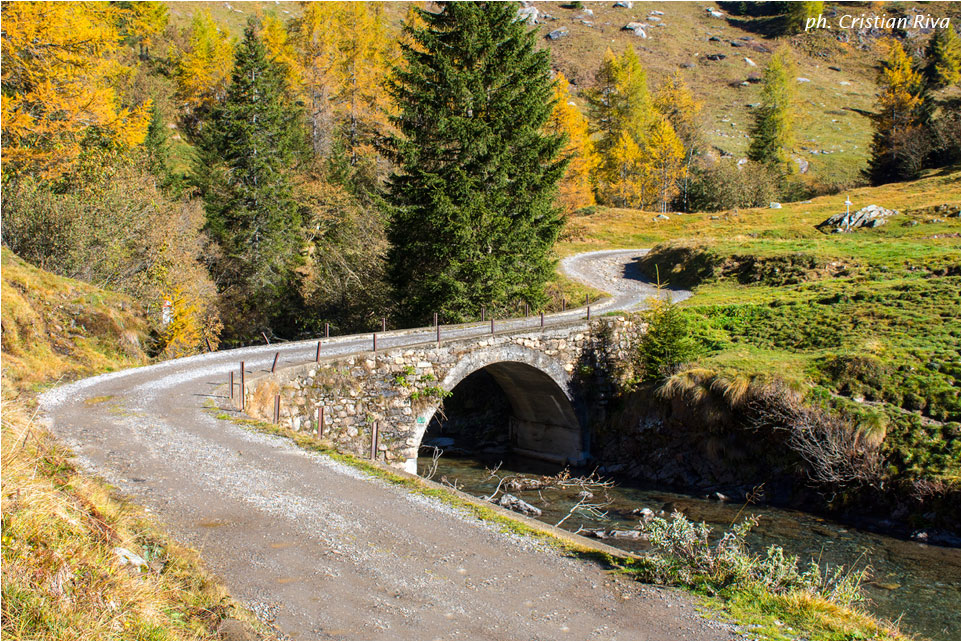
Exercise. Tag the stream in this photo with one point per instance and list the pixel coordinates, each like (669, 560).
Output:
(914, 583)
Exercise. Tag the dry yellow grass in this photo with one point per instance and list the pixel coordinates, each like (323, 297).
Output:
(62, 578)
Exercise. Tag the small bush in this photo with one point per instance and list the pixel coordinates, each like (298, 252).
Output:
(684, 552)
(725, 186)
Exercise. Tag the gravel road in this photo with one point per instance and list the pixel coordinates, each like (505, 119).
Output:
(322, 551)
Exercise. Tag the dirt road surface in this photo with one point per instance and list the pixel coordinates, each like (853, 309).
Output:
(324, 552)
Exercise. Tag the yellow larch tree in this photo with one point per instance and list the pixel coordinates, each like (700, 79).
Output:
(575, 190)
(675, 101)
(203, 70)
(280, 47)
(60, 76)
(623, 185)
(662, 164)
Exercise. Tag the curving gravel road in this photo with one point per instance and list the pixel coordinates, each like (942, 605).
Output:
(321, 550)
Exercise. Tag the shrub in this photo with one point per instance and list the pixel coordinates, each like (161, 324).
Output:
(684, 552)
(725, 186)
(668, 342)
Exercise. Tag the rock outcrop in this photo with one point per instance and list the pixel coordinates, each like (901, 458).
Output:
(868, 216)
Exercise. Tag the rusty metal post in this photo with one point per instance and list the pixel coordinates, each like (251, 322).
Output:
(320, 422)
(265, 338)
(587, 300)
(482, 314)
(327, 330)
(435, 319)
(243, 388)
(277, 409)
(317, 355)
(383, 324)
(589, 313)
(230, 384)
(542, 319)
(375, 341)
(563, 304)
(207, 341)
(492, 325)
(374, 438)
(526, 311)
(274, 365)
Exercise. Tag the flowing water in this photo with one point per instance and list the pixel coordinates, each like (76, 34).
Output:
(918, 583)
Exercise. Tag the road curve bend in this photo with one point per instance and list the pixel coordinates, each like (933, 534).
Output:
(325, 552)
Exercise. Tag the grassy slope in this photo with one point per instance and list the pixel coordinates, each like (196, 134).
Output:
(61, 578)
(868, 320)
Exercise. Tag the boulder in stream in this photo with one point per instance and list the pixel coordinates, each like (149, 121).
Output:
(518, 505)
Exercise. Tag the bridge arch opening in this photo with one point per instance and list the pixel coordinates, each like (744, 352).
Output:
(507, 406)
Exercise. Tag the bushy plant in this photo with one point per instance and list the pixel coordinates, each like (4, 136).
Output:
(685, 552)
(725, 186)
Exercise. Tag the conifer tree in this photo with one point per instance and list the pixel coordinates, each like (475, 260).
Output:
(246, 154)
(942, 59)
(773, 134)
(797, 13)
(896, 154)
(473, 220)
(576, 187)
(662, 162)
(204, 69)
(621, 109)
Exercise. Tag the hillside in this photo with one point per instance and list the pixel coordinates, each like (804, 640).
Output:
(836, 95)
(62, 575)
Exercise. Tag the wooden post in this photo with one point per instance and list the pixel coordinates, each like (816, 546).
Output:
(542, 319)
(230, 384)
(374, 436)
(327, 330)
(482, 314)
(383, 324)
(589, 313)
(563, 304)
(492, 325)
(526, 309)
(274, 365)
(320, 422)
(242, 387)
(277, 409)
(435, 319)
(375, 341)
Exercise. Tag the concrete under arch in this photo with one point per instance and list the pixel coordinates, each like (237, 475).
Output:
(544, 420)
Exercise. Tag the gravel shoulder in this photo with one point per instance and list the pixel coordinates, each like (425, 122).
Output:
(323, 551)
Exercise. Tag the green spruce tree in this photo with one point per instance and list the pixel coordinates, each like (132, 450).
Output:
(473, 220)
(773, 133)
(246, 154)
(942, 59)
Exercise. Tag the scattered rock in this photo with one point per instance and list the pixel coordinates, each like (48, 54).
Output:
(517, 505)
(802, 79)
(750, 62)
(845, 83)
(637, 27)
(735, 43)
(802, 164)
(834, 68)
(557, 33)
(714, 13)
(868, 216)
(661, 217)
(759, 47)
(528, 15)
(719, 496)
(653, 19)
(714, 39)
(627, 535)
(646, 514)
(128, 558)
(687, 65)
(656, 13)
(624, 4)
(716, 56)
(774, 206)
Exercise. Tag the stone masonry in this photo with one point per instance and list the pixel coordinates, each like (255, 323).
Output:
(548, 376)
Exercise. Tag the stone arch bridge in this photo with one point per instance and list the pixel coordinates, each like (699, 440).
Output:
(549, 375)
